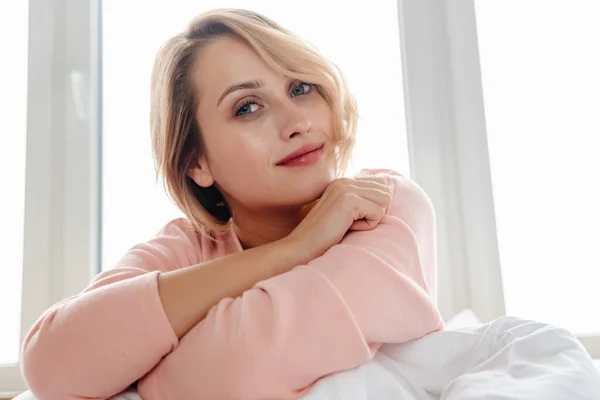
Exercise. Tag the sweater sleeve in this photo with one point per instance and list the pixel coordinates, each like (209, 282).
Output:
(97, 343)
(277, 339)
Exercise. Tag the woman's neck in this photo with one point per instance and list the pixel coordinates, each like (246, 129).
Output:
(258, 228)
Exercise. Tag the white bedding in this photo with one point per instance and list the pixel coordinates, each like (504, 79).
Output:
(507, 359)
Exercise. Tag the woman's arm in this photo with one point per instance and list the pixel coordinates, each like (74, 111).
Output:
(395, 268)
(278, 338)
(189, 293)
(96, 344)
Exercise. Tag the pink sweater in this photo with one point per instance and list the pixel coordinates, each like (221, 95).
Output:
(273, 342)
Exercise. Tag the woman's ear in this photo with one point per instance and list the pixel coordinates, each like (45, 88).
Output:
(201, 173)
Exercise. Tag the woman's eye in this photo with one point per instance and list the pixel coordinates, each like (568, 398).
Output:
(301, 89)
(247, 109)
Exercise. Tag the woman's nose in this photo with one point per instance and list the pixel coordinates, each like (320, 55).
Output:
(295, 121)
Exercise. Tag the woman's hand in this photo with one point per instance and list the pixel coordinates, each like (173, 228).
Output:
(346, 204)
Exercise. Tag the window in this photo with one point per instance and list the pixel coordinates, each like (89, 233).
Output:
(48, 156)
(540, 83)
(133, 206)
(13, 103)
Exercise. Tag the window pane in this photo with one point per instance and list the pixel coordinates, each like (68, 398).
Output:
(540, 68)
(133, 206)
(13, 111)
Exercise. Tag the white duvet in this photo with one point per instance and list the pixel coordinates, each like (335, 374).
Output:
(508, 359)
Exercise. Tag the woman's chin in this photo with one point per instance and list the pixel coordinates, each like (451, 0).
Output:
(304, 194)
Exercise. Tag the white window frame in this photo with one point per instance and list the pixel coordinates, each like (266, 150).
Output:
(449, 152)
(438, 129)
(61, 228)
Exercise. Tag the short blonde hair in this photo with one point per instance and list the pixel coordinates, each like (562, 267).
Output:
(175, 133)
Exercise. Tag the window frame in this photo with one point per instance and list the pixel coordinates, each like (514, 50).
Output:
(446, 110)
(62, 192)
(446, 131)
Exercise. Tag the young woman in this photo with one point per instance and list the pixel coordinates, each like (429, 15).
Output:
(283, 272)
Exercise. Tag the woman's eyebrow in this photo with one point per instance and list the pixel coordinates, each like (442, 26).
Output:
(255, 84)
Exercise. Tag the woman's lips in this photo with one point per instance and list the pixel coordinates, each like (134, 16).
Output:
(305, 155)
(304, 159)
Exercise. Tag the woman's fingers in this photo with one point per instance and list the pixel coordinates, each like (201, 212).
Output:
(369, 215)
(374, 189)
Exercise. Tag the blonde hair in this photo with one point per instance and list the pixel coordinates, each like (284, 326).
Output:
(175, 133)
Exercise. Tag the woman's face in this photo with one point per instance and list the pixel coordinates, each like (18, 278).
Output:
(252, 118)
